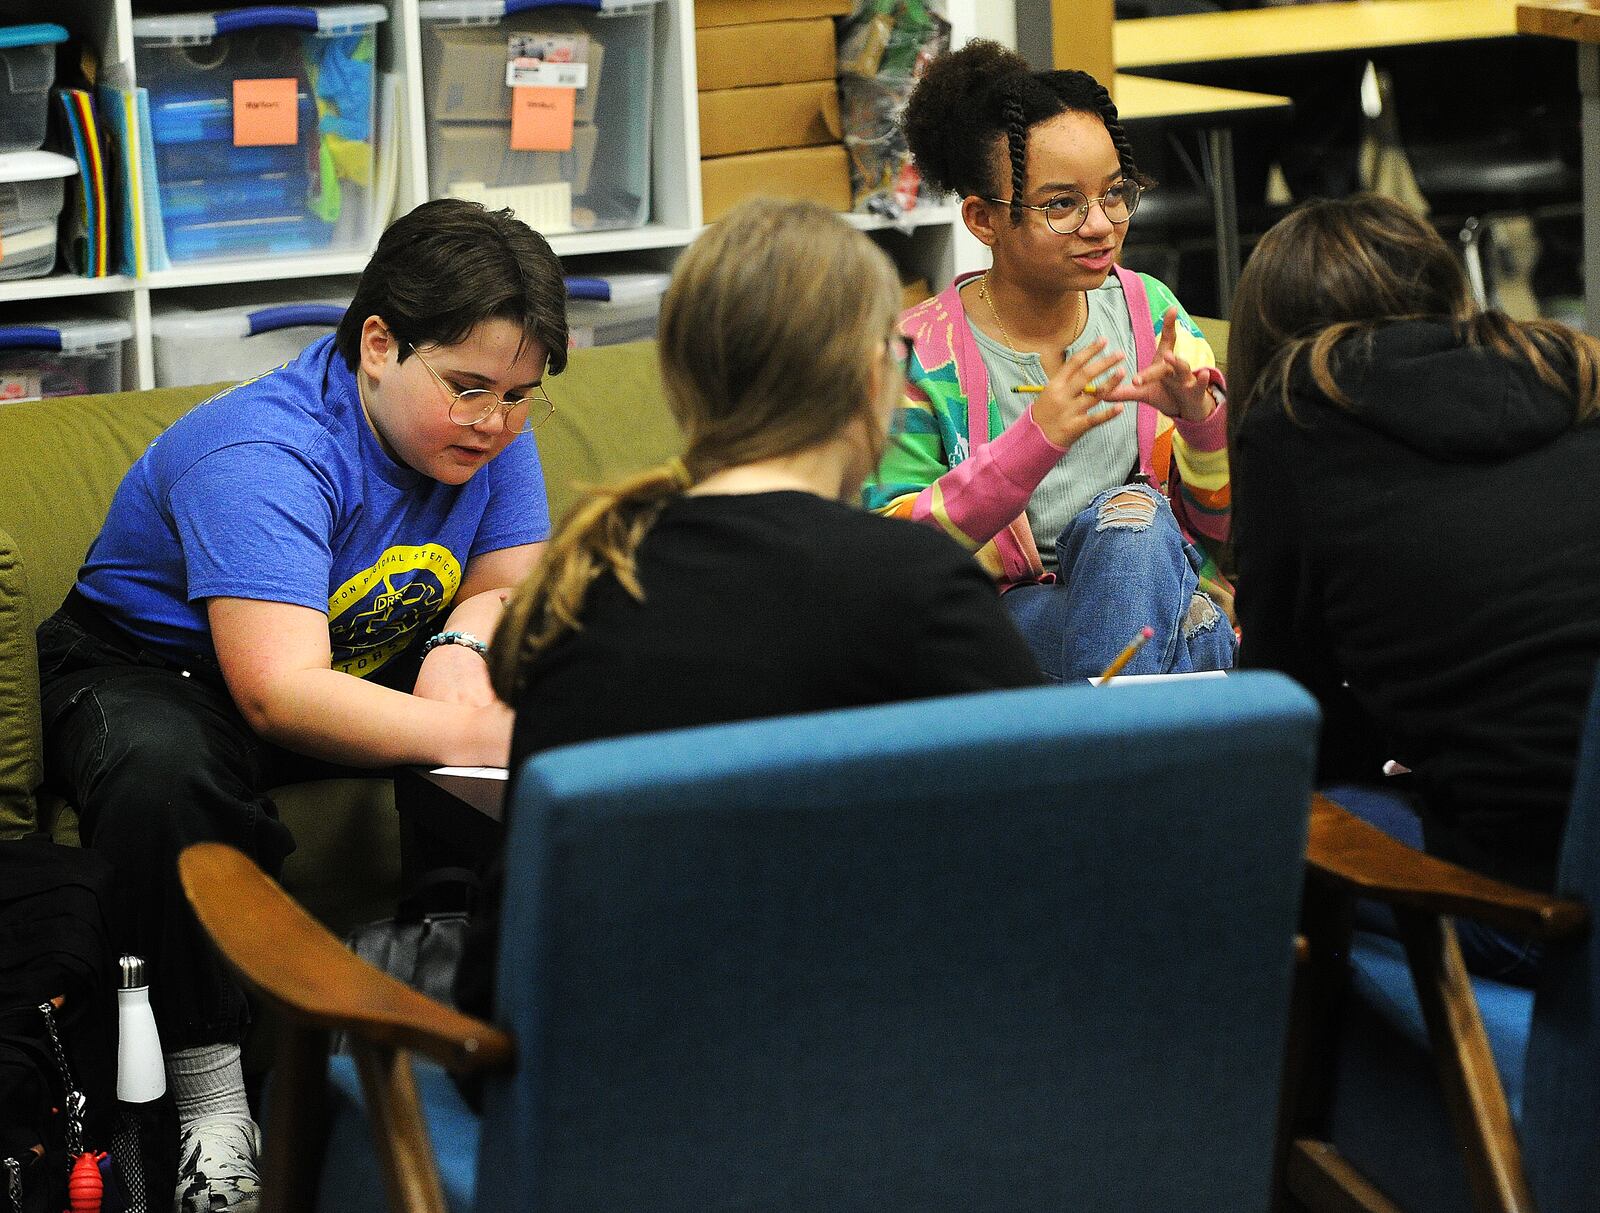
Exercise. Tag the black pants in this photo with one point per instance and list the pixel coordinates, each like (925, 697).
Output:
(154, 759)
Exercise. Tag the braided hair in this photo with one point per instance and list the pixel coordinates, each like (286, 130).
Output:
(983, 92)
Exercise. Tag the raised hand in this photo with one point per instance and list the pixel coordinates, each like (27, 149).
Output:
(1169, 383)
(1065, 411)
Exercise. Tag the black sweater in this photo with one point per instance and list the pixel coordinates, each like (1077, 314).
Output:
(757, 605)
(1427, 564)
(768, 604)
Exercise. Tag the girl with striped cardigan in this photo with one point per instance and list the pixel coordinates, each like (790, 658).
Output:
(1064, 419)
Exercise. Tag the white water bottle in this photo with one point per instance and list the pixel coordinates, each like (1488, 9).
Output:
(141, 1074)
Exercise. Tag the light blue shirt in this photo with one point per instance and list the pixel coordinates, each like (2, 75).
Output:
(1102, 458)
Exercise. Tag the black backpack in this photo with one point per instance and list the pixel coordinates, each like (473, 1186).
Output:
(58, 1018)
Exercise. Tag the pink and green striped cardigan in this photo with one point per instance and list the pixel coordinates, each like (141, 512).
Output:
(951, 465)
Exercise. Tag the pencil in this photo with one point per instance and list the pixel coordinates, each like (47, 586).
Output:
(1090, 389)
(1121, 660)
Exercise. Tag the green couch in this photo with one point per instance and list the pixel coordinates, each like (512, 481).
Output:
(64, 459)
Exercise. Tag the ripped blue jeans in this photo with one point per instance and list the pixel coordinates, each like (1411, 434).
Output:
(1122, 565)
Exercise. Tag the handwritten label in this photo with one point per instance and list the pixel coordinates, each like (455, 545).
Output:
(266, 113)
(542, 119)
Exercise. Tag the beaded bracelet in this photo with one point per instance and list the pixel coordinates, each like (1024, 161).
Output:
(465, 639)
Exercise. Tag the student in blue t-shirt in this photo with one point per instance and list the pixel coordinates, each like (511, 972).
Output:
(296, 574)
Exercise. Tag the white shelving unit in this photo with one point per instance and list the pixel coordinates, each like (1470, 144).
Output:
(933, 244)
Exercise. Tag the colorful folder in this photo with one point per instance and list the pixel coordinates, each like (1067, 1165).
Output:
(86, 237)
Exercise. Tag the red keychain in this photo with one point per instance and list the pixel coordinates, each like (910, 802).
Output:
(84, 1184)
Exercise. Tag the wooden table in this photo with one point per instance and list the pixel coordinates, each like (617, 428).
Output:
(1276, 33)
(1577, 22)
(1216, 111)
(1155, 44)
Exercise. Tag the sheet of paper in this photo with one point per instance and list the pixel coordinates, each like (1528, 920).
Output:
(1130, 679)
(266, 113)
(473, 772)
(542, 119)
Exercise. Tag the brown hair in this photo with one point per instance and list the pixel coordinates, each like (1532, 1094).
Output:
(771, 334)
(1331, 273)
(443, 268)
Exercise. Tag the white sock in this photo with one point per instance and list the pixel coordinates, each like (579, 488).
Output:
(208, 1081)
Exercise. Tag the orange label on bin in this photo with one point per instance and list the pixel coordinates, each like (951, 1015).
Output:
(541, 119)
(266, 113)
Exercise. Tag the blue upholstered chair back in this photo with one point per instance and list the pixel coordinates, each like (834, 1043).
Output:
(1388, 1115)
(1019, 950)
(1561, 1106)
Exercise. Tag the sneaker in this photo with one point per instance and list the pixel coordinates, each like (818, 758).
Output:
(217, 1165)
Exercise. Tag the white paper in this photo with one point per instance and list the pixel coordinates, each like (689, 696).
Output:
(1120, 679)
(473, 772)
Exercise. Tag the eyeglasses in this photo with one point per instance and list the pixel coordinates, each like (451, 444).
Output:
(1067, 212)
(476, 405)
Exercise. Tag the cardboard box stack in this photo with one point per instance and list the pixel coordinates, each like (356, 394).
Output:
(769, 102)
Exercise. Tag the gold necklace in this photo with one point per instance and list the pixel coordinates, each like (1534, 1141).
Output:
(983, 293)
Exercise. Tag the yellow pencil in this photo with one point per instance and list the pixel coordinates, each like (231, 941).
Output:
(1119, 663)
(1089, 389)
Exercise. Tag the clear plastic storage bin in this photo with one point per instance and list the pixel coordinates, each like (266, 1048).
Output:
(33, 187)
(69, 357)
(233, 343)
(541, 107)
(263, 126)
(27, 70)
(28, 251)
(612, 309)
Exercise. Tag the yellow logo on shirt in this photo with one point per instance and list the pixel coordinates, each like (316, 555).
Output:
(382, 609)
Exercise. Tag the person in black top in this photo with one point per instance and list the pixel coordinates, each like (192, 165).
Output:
(1416, 525)
(734, 582)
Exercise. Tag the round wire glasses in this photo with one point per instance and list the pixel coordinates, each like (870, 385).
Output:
(1068, 210)
(476, 405)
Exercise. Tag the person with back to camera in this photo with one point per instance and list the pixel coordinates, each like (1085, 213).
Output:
(1418, 535)
(1063, 418)
(290, 581)
(734, 583)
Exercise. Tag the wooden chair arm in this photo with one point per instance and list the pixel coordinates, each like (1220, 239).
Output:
(281, 951)
(1350, 852)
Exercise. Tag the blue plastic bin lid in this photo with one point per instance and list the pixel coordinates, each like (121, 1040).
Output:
(245, 320)
(624, 288)
(68, 336)
(478, 12)
(30, 35)
(202, 27)
(294, 315)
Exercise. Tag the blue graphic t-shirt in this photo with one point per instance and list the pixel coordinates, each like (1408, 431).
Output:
(276, 490)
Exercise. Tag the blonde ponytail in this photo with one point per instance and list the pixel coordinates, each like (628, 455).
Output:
(771, 342)
(601, 535)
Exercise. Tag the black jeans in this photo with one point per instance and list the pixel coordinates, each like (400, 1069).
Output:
(155, 758)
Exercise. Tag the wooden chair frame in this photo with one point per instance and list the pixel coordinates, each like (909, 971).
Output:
(320, 986)
(1348, 859)
(286, 956)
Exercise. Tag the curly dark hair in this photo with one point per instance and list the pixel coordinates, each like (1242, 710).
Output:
(983, 92)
